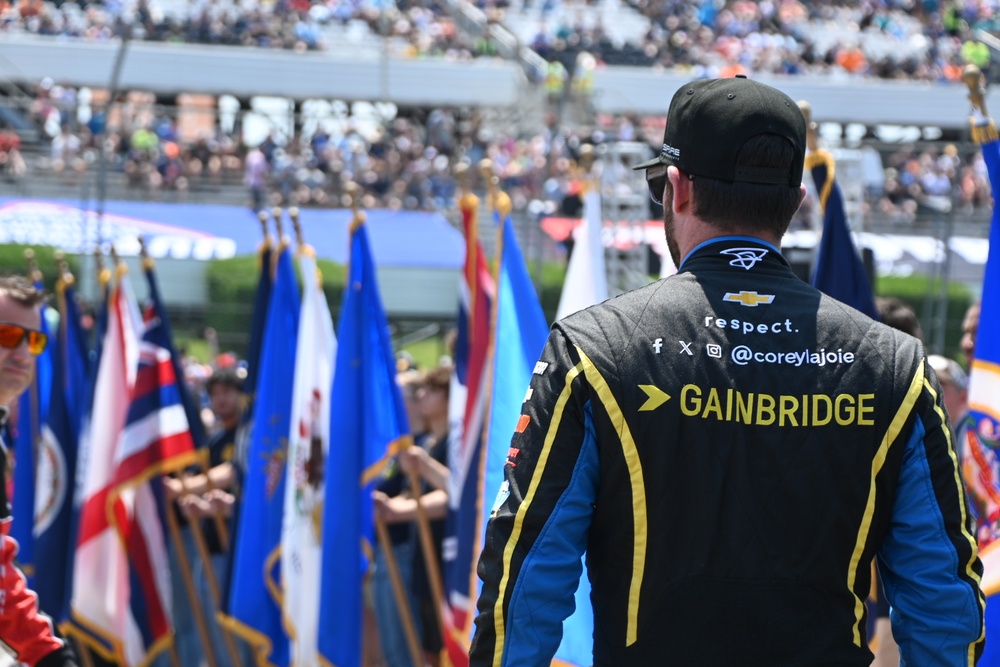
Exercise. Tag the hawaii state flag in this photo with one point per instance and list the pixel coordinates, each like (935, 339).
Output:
(122, 575)
(467, 406)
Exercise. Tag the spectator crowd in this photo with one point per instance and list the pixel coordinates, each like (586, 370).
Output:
(886, 39)
(403, 162)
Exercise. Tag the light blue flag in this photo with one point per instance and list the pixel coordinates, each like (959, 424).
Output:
(520, 335)
(368, 424)
(254, 610)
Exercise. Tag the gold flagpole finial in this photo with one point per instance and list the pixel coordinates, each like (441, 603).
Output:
(293, 214)
(812, 143)
(262, 217)
(463, 174)
(497, 199)
(276, 214)
(354, 195)
(147, 261)
(33, 272)
(972, 76)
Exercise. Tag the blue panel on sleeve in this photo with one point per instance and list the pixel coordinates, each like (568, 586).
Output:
(543, 595)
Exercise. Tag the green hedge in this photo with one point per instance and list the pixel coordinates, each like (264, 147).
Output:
(232, 286)
(12, 261)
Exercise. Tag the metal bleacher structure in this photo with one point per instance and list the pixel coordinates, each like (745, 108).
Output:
(358, 65)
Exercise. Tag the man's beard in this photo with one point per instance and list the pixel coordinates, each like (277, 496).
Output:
(668, 224)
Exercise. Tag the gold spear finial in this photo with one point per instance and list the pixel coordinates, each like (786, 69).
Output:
(497, 199)
(354, 194)
(972, 76)
(276, 214)
(463, 176)
(33, 271)
(811, 141)
(293, 214)
(262, 217)
(147, 261)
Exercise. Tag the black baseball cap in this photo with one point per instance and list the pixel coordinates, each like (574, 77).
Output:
(709, 120)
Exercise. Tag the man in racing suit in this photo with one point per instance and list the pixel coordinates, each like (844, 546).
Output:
(730, 447)
(25, 633)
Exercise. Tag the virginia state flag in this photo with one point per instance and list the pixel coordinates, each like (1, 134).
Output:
(32, 416)
(467, 406)
(308, 443)
(57, 454)
(981, 444)
(520, 335)
(368, 425)
(839, 270)
(255, 591)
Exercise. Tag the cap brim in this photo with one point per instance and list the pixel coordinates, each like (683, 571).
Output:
(649, 163)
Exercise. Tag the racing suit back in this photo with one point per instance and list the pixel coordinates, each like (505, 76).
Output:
(731, 449)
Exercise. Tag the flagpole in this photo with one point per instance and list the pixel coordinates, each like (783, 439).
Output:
(486, 170)
(185, 568)
(399, 593)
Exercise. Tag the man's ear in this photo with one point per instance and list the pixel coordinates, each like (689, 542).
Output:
(683, 191)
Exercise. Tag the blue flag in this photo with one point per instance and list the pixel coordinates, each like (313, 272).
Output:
(260, 301)
(839, 271)
(255, 591)
(32, 415)
(368, 424)
(520, 335)
(980, 443)
(57, 455)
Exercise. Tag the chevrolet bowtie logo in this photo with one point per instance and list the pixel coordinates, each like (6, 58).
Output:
(748, 298)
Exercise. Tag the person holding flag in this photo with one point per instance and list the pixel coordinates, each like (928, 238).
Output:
(30, 634)
(729, 446)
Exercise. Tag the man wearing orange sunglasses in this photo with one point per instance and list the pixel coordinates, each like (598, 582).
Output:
(23, 628)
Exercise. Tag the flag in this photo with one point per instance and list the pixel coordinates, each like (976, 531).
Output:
(262, 297)
(586, 276)
(158, 311)
(980, 464)
(519, 337)
(57, 456)
(32, 415)
(308, 443)
(122, 593)
(839, 271)
(467, 408)
(100, 593)
(369, 419)
(254, 610)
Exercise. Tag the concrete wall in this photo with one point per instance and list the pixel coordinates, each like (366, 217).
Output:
(176, 68)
